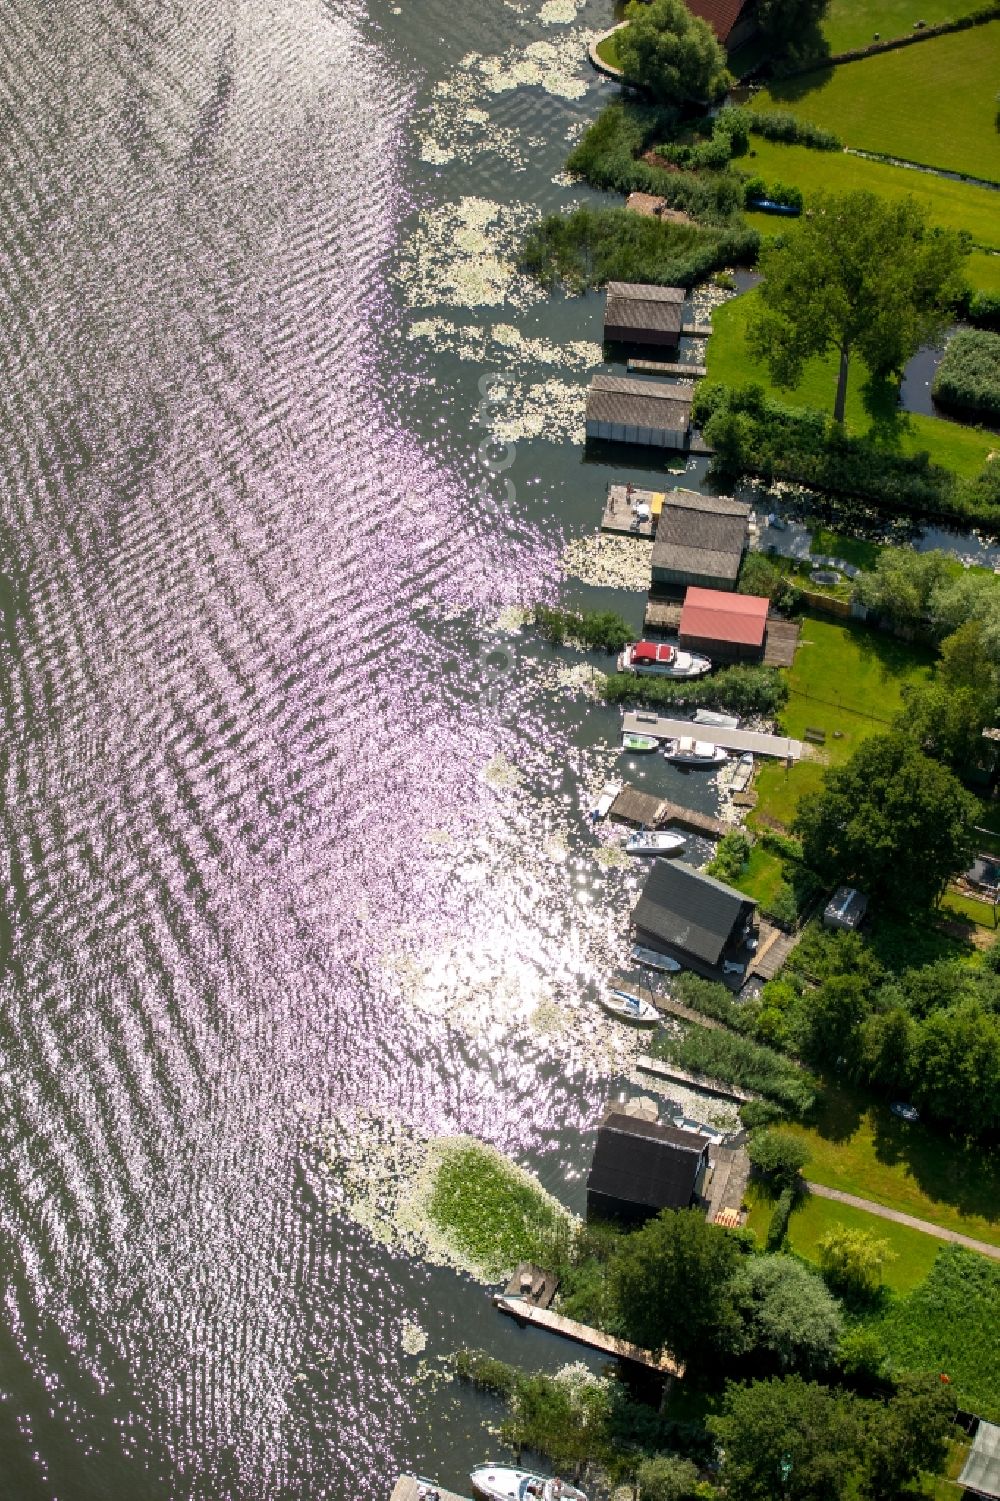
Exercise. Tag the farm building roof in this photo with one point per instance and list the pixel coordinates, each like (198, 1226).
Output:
(689, 910)
(701, 534)
(981, 1474)
(631, 305)
(717, 615)
(639, 403)
(642, 1162)
(721, 15)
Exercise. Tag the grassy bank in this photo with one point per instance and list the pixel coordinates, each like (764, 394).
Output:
(961, 449)
(848, 25)
(593, 246)
(494, 1213)
(933, 103)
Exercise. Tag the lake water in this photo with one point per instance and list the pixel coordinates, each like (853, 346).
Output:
(294, 847)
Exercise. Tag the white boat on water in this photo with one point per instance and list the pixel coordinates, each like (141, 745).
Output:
(721, 721)
(658, 659)
(652, 959)
(630, 1008)
(604, 803)
(688, 752)
(651, 843)
(505, 1483)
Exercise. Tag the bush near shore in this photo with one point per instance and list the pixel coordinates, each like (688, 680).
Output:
(596, 630)
(968, 378)
(739, 690)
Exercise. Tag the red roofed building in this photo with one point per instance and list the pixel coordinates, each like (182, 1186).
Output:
(726, 627)
(732, 21)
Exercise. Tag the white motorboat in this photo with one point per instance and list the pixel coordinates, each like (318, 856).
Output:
(604, 803)
(505, 1483)
(688, 752)
(652, 843)
(658, 659)
(630, 1008)
(652, 959)
(721, 721)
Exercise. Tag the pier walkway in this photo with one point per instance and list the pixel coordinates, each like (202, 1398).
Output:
(734, 740)
(642, 810)
(410, 1488)
(663, 367)
(584, 1334)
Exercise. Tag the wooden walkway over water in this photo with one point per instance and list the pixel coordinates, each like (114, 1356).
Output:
(665, 367)
(663, 1070)
(410, 1488)
(643, 811)
(619, 511)
(584, 1334)
(734, 740)
(661, 618)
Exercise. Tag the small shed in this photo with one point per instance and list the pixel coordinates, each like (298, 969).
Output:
(652, 413)
(701, 540)
(638, 314)
(725, 626)
(695, 919)
(981, 1473)
(641, 1167)
(845, 909)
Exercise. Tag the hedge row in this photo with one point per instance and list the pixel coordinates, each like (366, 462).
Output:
(750, 434)
(739, 690)
(983, 309)
(968, 377)
(775, 126)
(978, 17)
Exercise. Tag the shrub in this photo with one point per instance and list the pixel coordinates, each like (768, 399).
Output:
(783, 907)
(592, 246)
(710, 999)
(968, 377)
(759, 575)
(730, 857)
(484, 1372)
(741, 690)
(672, 53)
(598, 630)
(777, 1227)
(852, 1260)
(666, 1477)
(983, 309)
(779, 1156)
(775, 126)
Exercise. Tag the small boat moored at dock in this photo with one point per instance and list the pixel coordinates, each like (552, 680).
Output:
(505, 1483)
(648, 842)
(688, 752)
(604, 803)
(721, 721)
(658, 659)
(630, 1008)
(653, 959)
(636, 743)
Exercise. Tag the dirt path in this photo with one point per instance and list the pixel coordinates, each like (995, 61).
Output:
(982, 1246)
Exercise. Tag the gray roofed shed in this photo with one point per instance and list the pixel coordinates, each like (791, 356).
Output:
(981, 1473)
(638, 314)
(639, 411)
(640, 1167)
(700, 539)
(687, 911)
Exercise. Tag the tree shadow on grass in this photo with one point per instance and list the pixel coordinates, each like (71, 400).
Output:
(889, 422)
(788, 90)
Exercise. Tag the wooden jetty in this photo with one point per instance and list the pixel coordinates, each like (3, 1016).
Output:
(619, 511)
(734, 740)
(661, 1070)
(412, 1488)
(584, 1334)
(696, 331)
(643, 811)
(668, 367)
(773, 948)
(532, 1284)
(662, 618)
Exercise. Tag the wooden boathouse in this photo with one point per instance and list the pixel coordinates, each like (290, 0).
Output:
(638, 314)
(651, 413)
(701, 540)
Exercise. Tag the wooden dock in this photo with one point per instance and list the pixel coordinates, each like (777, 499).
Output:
(661, 1070)
(734, 740)
(665, 367)
(661, 618)
(584, 1334)
(696, 331)
(643, 811)
(412, 1488)
(773, 949)
(619, 511)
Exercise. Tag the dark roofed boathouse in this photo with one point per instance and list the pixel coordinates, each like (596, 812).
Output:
(700, 540)
(636, 314)
(653, 413)
(695, 919)
(641, 1167)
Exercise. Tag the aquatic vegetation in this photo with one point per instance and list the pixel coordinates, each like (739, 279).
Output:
(615, 562)
(412, 1338)
(501, 773)
(464, 254)
(496, 1214)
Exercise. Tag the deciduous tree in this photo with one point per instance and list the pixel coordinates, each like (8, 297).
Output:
(853, 1260)
(789, 1320)
(672, 53)
(788, 1440)
(861, 275)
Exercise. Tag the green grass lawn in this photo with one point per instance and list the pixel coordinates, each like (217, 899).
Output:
(856, 550)
(762, 876)
(983, 272)
(957, 447)
(607, 50)
(848, 24)
(981, 914)
(856, 1145)
(846, 681)
(953, 205)
(915, 1252)
(934, 103)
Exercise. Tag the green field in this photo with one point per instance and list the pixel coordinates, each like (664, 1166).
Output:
(848, 25)
(933, 103)
(846, 681)
(856, 1145)
(762, 877)
(983, 272)
(957, 447)
(915, 1252)
(953, 205)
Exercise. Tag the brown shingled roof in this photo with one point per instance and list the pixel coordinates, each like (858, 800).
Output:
(639, 403)
(721, 15)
